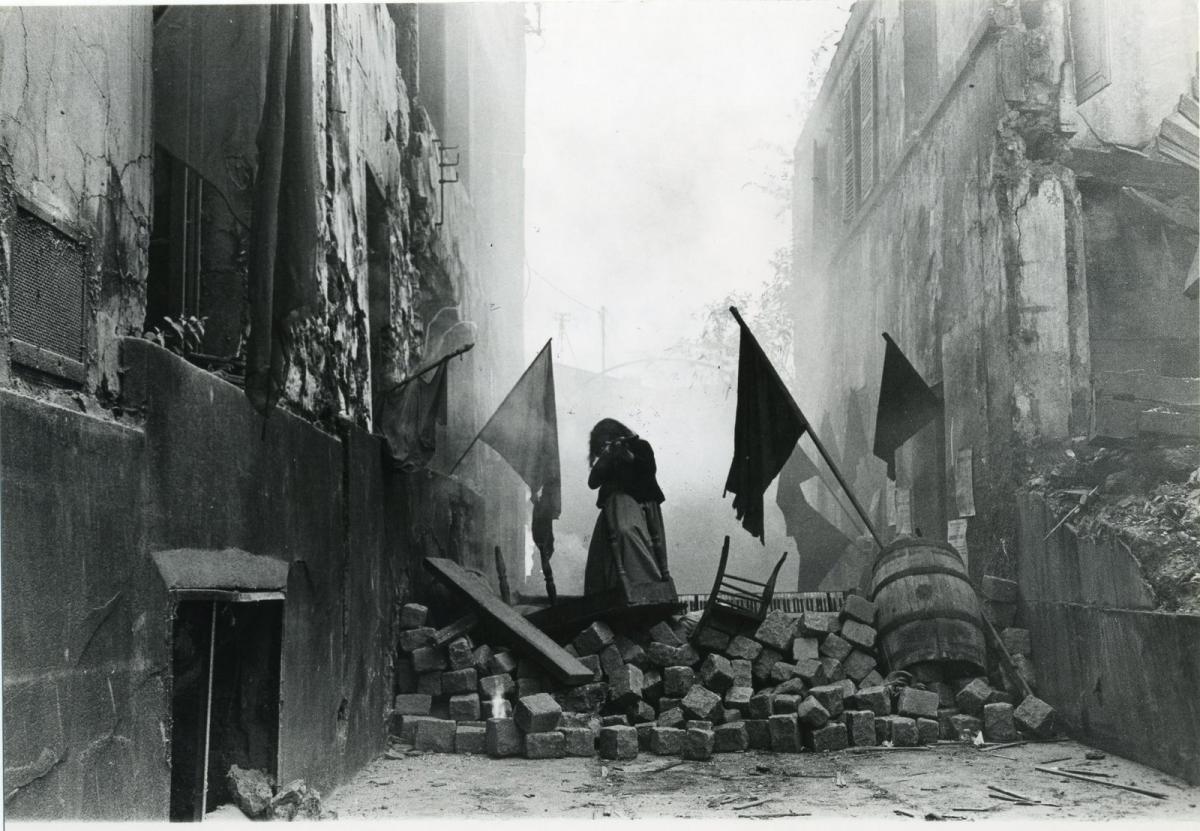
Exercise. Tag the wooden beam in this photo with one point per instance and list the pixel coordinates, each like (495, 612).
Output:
(456, 629)
(1126, 169)
(560, 664)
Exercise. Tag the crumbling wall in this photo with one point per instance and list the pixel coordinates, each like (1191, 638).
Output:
(966, 252)
(75, 142)
(1122, 677)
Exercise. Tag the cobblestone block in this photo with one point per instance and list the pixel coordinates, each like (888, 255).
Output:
(618, 742)
(785, 733)
(464, 707)
(459, 681)
(965, 727)
(731, 738)
(663, 633)
(860, 725)
(818, 624)
(698, 744)
(470, 738)
(1035, 716)
(551, 745)
(776, 631)
(745, 648)
(716, 673)
(928, 731)
(972, 697)
(917, 703)
(538, 713)
(412, 704)
(430, 683)
(670, 718)
(858, 634)
(666, 741)
(998, 723)
(830, 697)
(503, 738)
(857, 665)
(578, 741)
(459, 654)
(830, 737)
(625, 686)
(835, 646)
(713, 640)
(593, 639)
(502, 663)
(435, 735)
(859, 608)
(700, 702)
(762, 665)
(412, 616)
(784, 703)
(414, 639)
(812, 714)
(758, 733)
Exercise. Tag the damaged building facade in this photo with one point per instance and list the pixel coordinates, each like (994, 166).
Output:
(1008, 189)
(154, 522)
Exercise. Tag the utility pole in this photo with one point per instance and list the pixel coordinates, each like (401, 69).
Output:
(563, 317)
(603, 342)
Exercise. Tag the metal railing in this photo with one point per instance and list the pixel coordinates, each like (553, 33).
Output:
(792, 602)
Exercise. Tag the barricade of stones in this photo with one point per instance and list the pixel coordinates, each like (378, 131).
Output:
(795, 682)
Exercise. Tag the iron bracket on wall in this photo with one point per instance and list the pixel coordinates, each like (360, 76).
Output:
(443, 165)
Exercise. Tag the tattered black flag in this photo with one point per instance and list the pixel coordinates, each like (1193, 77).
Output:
(766, 429)
(906, 404)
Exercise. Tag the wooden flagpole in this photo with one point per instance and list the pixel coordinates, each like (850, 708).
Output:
(430, 366)
(809, 428)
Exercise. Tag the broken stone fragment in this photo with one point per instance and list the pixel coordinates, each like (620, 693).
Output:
(538, 713)
(295, 799)
(251, 790)
(413, 615)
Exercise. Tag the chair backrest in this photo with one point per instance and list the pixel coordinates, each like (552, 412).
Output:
(742, 594)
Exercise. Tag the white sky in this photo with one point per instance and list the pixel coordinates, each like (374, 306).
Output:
(647, 126)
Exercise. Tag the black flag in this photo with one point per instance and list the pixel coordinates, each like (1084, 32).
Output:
(906, 404)
(767, 426)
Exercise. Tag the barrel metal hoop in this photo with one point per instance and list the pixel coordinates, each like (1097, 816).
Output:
(927, 545)
(914, 571)
(921, 614)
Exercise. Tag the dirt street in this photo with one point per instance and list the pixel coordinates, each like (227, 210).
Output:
(948, 780)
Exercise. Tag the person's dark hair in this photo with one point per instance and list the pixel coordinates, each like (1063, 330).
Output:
(606, 430)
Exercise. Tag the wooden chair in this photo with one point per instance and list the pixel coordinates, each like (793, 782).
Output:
(737, 601)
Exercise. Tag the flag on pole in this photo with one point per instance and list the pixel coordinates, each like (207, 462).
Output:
(766, 428)
(906, 404)
(409, 418)
(524, 430)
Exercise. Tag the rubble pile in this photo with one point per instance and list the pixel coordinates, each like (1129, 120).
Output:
(255, 793)
(1145, 495)
(793, 682)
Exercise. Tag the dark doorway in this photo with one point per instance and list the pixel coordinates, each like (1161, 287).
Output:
(231, 715)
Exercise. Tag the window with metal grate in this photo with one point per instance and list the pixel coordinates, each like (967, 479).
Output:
(47, 297)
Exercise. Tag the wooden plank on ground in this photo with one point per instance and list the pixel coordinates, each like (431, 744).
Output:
(559, 663)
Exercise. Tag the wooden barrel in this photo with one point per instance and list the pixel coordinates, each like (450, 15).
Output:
(926, 608)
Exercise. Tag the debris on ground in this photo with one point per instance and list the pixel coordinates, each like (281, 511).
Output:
(255, 793)
(1144, 494)
(788, 683)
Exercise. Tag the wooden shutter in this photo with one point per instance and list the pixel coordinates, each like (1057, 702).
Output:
(849, 152)
(866, 108)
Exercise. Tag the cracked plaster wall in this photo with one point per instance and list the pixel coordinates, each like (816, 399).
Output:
(965, 253)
